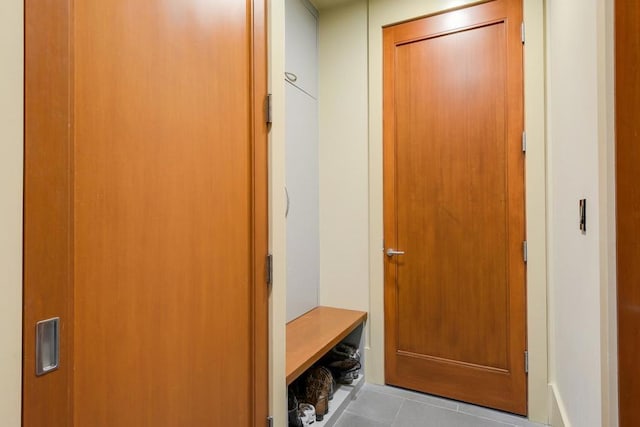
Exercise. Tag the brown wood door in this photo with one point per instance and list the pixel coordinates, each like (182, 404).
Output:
(627, 20)
(454, 204)
(145, 212)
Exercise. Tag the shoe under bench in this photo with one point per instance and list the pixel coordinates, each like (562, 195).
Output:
(311, 336)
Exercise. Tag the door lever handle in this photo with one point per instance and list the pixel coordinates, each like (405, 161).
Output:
(392, 252)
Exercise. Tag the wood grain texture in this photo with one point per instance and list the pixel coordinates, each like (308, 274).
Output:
(454, 202)
(627, 17)
(48, 279)
(147, 218)
(451, 199)
(312, 335)
(163, 220)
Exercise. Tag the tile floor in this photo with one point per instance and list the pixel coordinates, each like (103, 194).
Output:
(384, 406)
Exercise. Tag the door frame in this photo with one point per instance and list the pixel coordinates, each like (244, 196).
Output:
(514, 400)
(626, 204)
(261, 395)
(56, 180)
(535, 183)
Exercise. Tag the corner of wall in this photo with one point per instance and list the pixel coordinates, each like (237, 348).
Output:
(277, 228)
(558, 417)
(536, 202)
(607, 208)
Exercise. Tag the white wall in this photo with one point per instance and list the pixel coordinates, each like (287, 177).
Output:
(577, 101)
(11, 70)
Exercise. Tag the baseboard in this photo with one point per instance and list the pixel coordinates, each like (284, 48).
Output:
(373, 373)
(558, 416)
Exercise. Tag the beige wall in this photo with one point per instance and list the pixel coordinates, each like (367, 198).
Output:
(344, 146)
(11, 69)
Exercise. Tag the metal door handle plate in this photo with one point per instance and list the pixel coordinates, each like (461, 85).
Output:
(47, 345)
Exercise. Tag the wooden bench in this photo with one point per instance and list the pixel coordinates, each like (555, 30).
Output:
(312, 335)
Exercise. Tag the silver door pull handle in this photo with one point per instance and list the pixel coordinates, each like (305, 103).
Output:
(392, 252)
(47, 345)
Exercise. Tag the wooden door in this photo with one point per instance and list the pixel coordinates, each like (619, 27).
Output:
(145, 212)
(627, 18)
(454, 204)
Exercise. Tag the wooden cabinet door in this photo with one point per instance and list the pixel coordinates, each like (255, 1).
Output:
(454, 205)
(145, 227)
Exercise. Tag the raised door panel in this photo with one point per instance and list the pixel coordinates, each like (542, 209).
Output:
(303, 240)
(301, 41)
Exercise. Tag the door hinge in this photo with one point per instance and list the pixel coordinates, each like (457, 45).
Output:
(268, 109)
(526, 362)
(522, 32)
(524, 251)
(524, 142)
(269, 268)
(269, 421)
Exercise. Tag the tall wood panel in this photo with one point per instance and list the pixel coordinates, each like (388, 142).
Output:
(48, 196)
(627, 22)
(154, 161)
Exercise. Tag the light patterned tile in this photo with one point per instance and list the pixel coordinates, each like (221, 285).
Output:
(413, 395)
(491, 414)
(347, 419)
(376, 406)
(415, 414)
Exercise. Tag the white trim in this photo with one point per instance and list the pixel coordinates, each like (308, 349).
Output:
(11, 161)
